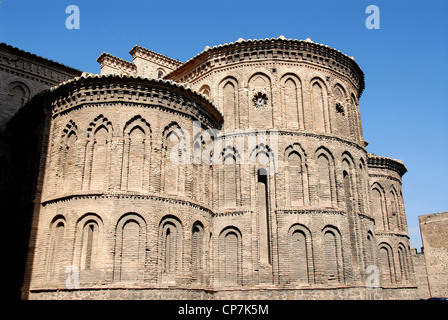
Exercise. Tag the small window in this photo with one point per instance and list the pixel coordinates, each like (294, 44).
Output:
(160, 74)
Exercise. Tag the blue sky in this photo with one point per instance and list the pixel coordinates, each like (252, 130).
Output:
(404, 107)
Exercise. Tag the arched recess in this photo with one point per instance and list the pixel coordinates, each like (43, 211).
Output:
(175, 155)
(393, 209)
(206, 91)
(403, 261)
(363, 188)
(349, 178)
(296, 175)
(130, 248)
(321, 110)
(334, 265)
(370, 249)
(230, 173)
(56, 248)
(88, 253)
(326, 178)
(260, 115)
(386, 263)
(301, 261)
(19, 94)
(292, 101)
(263, 162)
(228, 89)
(378, 207)
(198, 253)
(342, 109)
(98, 153)
(350, 196)
(230, 256)
(356, 119)
(136, 154)
(170, 246)
(67, 173)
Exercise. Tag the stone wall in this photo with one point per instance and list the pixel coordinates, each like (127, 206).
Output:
(434, 231)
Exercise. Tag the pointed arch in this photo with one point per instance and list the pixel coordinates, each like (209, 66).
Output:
(230, 253)
(378, 206)
(197, 252)
(56, 248)
(98, 153)
(404, 271)
(292, 100)
(393, 208)
(136, 154)
(171, 244)
(19, 94)
(130, 248)
(88, 253)
(326, 178)
(300, 251)
(259, 84)
(386, 263)
(67, 158)
(333, 254)
(296, 175)
(321, 110)
(228, 88)
(229, 174)
(175, 153)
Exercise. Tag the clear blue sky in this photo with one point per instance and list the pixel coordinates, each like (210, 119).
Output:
(404, 107)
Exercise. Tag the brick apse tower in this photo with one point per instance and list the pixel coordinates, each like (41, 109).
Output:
(272, 196)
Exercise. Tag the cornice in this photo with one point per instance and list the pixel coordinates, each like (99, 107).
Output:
(280, 49)
(378, 162)
(98, 89)
(141, 52)
(106, 59)
(309, 211)
(125, 195)
(281, 132)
